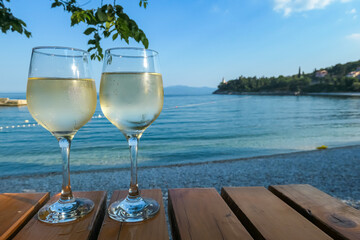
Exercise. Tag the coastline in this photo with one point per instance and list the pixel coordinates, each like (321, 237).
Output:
(329, 94)
(334, 171)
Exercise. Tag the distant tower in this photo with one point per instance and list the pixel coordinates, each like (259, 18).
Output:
(223, 80)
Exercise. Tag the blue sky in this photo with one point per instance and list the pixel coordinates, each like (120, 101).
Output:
(202, 41)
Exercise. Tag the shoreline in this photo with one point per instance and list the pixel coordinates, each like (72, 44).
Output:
(116, 169)
(327, 94)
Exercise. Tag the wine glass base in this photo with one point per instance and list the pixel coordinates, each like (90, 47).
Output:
(65, 212)
(133, 210)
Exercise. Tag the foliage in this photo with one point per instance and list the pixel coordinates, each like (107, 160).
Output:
(264, 84)
(335, 81)
(108, 20)
(105, 21)
(9, 22)
(340, 70)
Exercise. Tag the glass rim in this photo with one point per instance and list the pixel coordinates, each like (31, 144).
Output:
(153, 52)
(39, 48)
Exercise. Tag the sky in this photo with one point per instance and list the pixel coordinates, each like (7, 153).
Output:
(202, 41)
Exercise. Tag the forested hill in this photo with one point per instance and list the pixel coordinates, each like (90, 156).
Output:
(338, 78)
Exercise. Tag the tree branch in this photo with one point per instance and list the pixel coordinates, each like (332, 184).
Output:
(8, 22)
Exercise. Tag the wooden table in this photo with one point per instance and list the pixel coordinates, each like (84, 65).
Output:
(290, 212)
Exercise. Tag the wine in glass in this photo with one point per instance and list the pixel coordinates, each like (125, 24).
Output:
(61, 97)
(131, 98)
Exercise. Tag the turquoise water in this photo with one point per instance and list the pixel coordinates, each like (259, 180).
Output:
(189, 129)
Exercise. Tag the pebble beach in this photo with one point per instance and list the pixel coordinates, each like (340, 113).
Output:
(335, 171)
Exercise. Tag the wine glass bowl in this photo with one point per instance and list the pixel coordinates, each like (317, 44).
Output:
(131, 98)
(133, 102)
(61, 93)
(61, 97)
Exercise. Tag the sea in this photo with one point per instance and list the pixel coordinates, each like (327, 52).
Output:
(190, 129)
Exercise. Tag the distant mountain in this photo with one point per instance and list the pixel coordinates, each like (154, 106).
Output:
(185, 90)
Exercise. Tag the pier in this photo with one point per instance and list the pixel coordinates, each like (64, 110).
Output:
(12, 102)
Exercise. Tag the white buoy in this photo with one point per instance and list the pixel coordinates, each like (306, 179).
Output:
(18, 126)
(99, 116)
(1, 128)
(12, 126)
(23, 126)
(7, 126)
(26, 121)
(34, 124)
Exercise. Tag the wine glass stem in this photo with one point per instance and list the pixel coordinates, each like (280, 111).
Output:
(133, 145)
(66, 193)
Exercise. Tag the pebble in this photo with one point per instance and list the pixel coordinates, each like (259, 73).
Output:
(335, 171)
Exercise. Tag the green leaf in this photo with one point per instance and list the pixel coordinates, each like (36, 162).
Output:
(22, 22)
(100, 13)
(89, 31)
(119, 9)
(145, 42)
(115, 36)
(143, 3)
(56, 4)
(92, 41)
(106, 34)
(16, 26)
(27, 33)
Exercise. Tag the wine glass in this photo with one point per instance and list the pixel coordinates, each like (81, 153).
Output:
(61, 97)
(131, 98)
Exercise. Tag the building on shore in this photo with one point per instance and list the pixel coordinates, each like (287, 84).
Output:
(321, 73)
(353, 74)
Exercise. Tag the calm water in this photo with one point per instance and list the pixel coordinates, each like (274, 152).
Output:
(189, 129)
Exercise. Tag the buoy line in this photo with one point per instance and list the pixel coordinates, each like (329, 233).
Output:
(99, 116)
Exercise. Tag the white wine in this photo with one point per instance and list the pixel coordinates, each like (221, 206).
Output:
(131, 101)
(61, 105)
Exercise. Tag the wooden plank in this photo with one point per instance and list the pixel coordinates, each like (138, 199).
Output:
(16, 209)
(151, 229)
(85, 228)
(331, 215)
(202, 214)
(267, 217)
